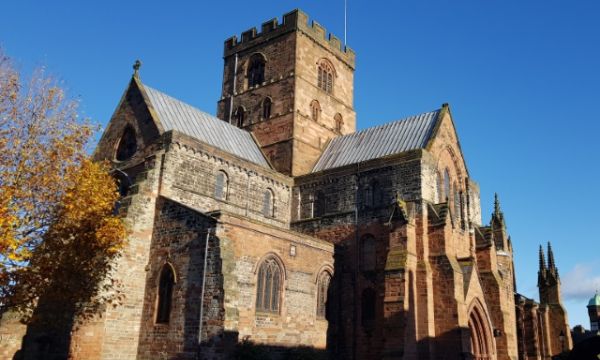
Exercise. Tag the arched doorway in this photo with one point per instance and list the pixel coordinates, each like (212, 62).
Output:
(482, 347)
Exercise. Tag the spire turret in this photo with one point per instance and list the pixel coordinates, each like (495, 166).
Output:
(542, 260)
(551, 264)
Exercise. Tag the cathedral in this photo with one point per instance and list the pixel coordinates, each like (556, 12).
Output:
(276, 228)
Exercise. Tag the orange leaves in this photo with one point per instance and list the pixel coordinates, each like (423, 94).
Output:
(56, 205)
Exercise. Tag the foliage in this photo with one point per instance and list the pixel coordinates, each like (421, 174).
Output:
(58, 231)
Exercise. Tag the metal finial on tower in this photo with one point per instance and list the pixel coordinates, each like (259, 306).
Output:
(345, 20)
(136, 68)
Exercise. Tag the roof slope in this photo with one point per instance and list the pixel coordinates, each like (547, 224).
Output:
(177, 115)
(392, 138)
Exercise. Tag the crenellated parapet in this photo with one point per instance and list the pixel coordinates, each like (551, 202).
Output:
(296, 20)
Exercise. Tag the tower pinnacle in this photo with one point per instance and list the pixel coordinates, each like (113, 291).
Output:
(542, 260)
(551, 264)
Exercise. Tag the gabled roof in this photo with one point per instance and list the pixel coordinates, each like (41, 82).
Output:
(392, 138)
(177, 115)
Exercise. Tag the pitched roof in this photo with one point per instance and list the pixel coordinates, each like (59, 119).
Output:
(177, 115)
(392, 138)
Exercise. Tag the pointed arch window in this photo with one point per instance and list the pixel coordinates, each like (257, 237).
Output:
(165, 294)
(127, 144)
(322, 293)
(256, 70)
(268, 209)
(221, 185)
(339, 122)
(368, 254)
(268, 290)
(325, 76)
(266, 108)
(315, 110)
(446, 185)
(240, 116)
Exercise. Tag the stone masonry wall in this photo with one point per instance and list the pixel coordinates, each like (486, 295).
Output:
(244, 244)
(178, 241)
(189, 177)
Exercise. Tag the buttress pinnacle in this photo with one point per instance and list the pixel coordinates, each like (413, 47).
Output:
(542, 260)
(551, 264)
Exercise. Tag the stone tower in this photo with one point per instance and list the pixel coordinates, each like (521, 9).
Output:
(558, 337)
(291, 85)
(594, 312)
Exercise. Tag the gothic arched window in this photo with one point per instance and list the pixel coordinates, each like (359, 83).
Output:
(127, 145)
(268, 289)
(221, 185)
(325, 76)
(268, 209)
(373, 194)
(438, 187)
(315, 110)
(256, 70)
(240, 116)
(165, 294)
(322, 291)
(368, 304)
(339, 122)
(456, 200)
(368, 254)
(266, 108)
(446, 185)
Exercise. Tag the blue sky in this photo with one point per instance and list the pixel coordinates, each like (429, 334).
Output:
(522, 79)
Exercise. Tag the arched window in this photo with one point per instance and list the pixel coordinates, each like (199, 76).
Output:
(221, 185)
(315, 110)
(127, 145)
(325, 76)
(368, 304)
(320, 204)
(322, 291)
(268, 203)
(368, 254)
(268, 289)
(256, 70)
(462, 209)
(373, 194)
(446, 185)
(165, 294)
(438, 187)
(456, 201)
(339, 122)
(266, 108)
(240, 116)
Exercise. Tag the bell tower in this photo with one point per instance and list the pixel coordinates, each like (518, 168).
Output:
(292, 86)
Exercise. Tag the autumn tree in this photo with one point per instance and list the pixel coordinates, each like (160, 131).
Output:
(58, 231)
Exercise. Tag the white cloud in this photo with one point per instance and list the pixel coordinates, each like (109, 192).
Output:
(580, 283)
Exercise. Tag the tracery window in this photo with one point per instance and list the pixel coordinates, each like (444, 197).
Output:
(256, 70)
(325, 76)
(165, 294)
(268, 203)
(221, 185)
(322, 292)
(240, 116)
(315, 110)
(339, 122)
(368, 255)
(268, 290)
(456, 198)
(127, 145)
(266, 108)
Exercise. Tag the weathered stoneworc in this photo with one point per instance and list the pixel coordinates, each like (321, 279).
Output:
(276, 228)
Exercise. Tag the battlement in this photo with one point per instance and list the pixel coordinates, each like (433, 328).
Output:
(296, 20)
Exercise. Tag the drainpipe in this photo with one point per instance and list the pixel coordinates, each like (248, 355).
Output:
(356, 260)
(235, 66)
(208, 231)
